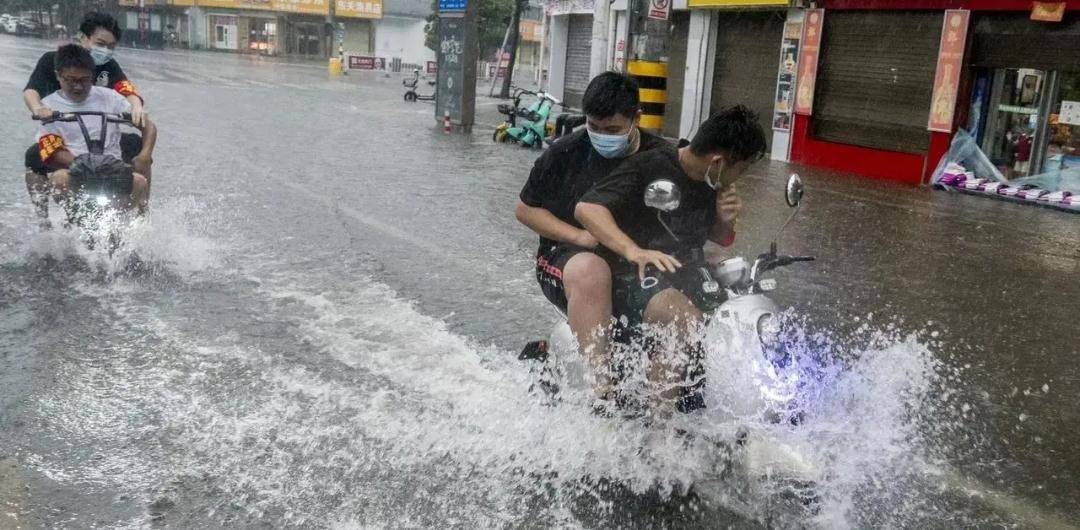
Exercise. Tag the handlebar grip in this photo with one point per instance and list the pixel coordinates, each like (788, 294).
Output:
(802, 258)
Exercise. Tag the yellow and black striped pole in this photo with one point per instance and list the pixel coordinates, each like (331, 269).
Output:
(652, 91)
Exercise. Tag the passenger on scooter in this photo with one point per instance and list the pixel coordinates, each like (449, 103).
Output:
(60, 143)
(614, 211)
(99, 33)
(571, 272)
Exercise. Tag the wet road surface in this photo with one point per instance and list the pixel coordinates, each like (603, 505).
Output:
(317, 327)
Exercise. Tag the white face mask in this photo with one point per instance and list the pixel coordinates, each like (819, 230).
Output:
(709, 181)
(100, 54)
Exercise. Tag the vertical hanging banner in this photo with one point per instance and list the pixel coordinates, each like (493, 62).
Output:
(785, 78)
(808, 61)
(950, 61)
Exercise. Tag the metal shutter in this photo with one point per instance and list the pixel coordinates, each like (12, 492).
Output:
(747, 61)
(875, 78)
(1012, 41)
(578, 49)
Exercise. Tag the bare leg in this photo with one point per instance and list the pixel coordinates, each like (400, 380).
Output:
(38, 187)
(678, 319)
(587, 280)
(142, 166)
(140, 193)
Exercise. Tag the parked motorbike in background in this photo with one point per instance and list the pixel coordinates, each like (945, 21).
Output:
(535, 127)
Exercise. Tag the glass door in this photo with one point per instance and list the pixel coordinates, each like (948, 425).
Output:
(1016, 120)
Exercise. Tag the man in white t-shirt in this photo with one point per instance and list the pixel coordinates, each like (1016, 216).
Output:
(60, 143)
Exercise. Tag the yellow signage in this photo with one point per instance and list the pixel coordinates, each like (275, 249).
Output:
(737, 3)
(531, 31)
(359, 8)
(313, 7)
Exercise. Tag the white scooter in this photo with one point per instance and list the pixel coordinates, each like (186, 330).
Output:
(750, 374)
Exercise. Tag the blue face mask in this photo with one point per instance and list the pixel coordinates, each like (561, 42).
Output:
(100, 54)
(610, 145)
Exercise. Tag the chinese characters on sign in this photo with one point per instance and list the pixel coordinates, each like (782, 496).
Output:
(947, 79)
(359, 9)
(659, 9)
(785, 82)
(1048, 11)
(452, 5)
(808, 61)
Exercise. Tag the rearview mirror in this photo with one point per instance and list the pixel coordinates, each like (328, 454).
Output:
(663, 195)
(794, 191)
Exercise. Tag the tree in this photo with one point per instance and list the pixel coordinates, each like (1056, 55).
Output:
(492, 16)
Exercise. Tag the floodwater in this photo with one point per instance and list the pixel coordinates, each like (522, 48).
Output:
(318, 325)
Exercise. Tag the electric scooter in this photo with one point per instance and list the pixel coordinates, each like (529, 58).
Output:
(411, 95)
(535, 128)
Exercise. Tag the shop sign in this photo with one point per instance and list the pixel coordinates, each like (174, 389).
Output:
(949, 63)
(785, 78)
(659, 9)
(736, 3)
(432, 67)
(501, 73)
(359, 9)
(452, 5)
(1048, 11)
(364, 62)
(1070, 113)
(808, 61)
(569, 7)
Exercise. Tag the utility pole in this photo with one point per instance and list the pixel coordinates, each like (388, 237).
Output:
(600, 29)
(647, 57)
(515, 35)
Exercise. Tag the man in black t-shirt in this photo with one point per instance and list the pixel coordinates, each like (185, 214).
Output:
(98, 33)
(614, 211)
(571, 274)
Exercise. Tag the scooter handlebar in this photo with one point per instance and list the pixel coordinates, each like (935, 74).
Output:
(74, 116)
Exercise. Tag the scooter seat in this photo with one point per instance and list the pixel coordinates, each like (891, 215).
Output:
(507, 109)
(530, 115)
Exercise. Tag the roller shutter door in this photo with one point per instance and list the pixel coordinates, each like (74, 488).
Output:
(578, 49)
(747, 60)
(875, 78)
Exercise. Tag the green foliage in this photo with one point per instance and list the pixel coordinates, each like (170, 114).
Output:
(492, 16)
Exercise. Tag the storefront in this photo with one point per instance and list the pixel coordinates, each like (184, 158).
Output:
(153, 24)
(570, 48)
(747, 47)
(1024, 109)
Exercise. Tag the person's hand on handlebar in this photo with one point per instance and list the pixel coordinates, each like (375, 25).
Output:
(60, 180)
(43, 113)
(644, 258)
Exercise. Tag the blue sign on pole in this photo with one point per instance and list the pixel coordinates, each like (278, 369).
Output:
(452, 5)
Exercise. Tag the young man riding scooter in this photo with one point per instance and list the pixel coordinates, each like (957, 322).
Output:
(62, 144)
(571, 272)
(657, 246)
(98, 33)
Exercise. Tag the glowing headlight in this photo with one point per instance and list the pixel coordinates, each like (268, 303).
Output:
(768, 329)
(101, 200)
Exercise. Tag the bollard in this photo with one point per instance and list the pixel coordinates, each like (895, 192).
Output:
(447, 128)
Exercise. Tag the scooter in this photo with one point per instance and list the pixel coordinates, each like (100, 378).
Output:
(411, 95)
(100, 184)
(742, 327)
(536, 127)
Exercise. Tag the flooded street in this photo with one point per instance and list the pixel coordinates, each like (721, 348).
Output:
(318, 326)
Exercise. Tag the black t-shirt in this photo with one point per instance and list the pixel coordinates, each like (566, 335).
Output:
(108, 75)
(567, 170)
(623, 193)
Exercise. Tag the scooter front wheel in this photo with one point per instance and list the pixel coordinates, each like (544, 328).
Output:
(410, 96)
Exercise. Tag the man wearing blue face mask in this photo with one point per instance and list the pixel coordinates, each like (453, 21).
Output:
(571, 270)
(98, 33)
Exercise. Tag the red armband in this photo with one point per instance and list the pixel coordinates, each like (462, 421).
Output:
(125, 88)
(48, 145)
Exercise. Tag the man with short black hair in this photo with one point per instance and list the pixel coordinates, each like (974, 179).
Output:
(98, 34)
(571, 272)
(614, 211)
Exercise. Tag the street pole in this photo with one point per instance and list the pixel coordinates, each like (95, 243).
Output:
(515, 36)
(599, 53)
(498, 60)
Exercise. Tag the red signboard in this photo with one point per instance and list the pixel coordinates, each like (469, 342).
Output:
(492, 73)
(808, 61)
(432, 67)
(950, 61)
(364, 62)
(659, 9)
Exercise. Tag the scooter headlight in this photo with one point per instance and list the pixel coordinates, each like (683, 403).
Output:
(101, 200)
(768, 329)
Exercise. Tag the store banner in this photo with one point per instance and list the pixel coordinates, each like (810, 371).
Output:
(569, 7)
(1048, 11)
(950, 61)
(785, 78)
(359, 9)
(808, 61)
(736, 3)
